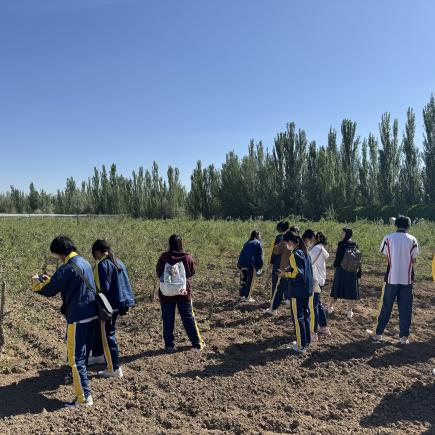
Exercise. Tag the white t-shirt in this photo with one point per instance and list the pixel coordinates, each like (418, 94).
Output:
(319, 255)
(401, 249)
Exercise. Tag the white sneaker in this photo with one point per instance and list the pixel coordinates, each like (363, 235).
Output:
(331, 309)
(314, 337)
(287, 302)
(96, 360)
(242, 298)
(377, 337)
(115, 374)
(251, 300)
(75, 402)
(349, 314)
(296, 348)
(404, 340)
(271, 312)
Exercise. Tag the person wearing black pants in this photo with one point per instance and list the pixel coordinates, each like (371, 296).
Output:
(275, 259)
(300, 276)
(175, 268)
(250, 263)
(111, 278)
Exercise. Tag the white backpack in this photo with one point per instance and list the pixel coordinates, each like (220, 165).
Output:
(174, 280)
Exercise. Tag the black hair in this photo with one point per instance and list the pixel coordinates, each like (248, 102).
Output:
(403, 223)
(290, 236)
(282, 226)
(308, 234)
(321, 238)
(255, 235)
(103, 246)
(62, 245)
(176, 243)
(295, 229)
(348, 233)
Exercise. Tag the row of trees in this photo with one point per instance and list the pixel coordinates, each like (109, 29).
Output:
(295, 177)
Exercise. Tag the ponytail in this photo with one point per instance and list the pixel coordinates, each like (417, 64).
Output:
(103, 246)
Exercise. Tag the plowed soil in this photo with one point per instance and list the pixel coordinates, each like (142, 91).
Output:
(245, 381)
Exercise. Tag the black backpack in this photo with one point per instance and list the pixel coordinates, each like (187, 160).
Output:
(352, 259)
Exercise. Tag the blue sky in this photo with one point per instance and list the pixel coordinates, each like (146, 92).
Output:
(87, 82)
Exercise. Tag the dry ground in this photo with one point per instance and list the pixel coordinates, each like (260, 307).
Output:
(246, 381)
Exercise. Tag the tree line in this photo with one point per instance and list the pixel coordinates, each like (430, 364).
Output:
(295, 177)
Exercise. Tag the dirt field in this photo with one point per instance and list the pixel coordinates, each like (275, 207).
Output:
(246, 380)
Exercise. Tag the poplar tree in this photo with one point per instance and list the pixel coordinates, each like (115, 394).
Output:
(389, 167)
(429, 149)
(410, 173)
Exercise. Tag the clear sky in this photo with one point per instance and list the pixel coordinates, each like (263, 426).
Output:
(87, 82)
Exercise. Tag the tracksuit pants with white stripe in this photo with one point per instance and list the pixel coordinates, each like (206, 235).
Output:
(404, 296)
(301, 318)
(80, 338)
(105, 343)
(187, 315)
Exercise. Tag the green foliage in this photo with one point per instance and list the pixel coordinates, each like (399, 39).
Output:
(295, 177)
(24, 244)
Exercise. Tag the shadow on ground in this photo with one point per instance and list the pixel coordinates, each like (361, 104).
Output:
(416, 404)
(240, 356)
(27, 395)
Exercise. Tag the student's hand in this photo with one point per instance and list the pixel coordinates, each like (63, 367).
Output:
(36, 279)
(280, 273)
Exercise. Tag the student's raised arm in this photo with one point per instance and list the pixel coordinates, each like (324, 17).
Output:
(52, 286)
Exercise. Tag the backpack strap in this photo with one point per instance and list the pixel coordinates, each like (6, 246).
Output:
(83, 277)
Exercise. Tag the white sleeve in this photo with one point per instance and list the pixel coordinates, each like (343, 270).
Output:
(383, 248)
(415, 249)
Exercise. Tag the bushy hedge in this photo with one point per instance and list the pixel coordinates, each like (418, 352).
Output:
(422, 211)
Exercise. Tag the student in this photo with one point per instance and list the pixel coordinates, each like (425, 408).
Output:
(111, 278)
(346, 284)
(79, 308)
(250, 264)
(175, 269)
(282, 291)
(319, 255)
(275, 259)
(300, 276)
(401, 250)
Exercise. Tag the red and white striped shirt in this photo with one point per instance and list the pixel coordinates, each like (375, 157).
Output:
(401, 249)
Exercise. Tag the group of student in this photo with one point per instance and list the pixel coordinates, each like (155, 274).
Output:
(91, 340)
(298, 266)
(298, 275)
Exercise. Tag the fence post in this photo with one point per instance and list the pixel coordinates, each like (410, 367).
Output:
(2, 314)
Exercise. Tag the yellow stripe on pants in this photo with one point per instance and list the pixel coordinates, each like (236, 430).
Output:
(297, 327)
(381, 303)
(106, 348)
(312, 317)
(275, 292)
(71, 346)
(252, 283)
(201, 341)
